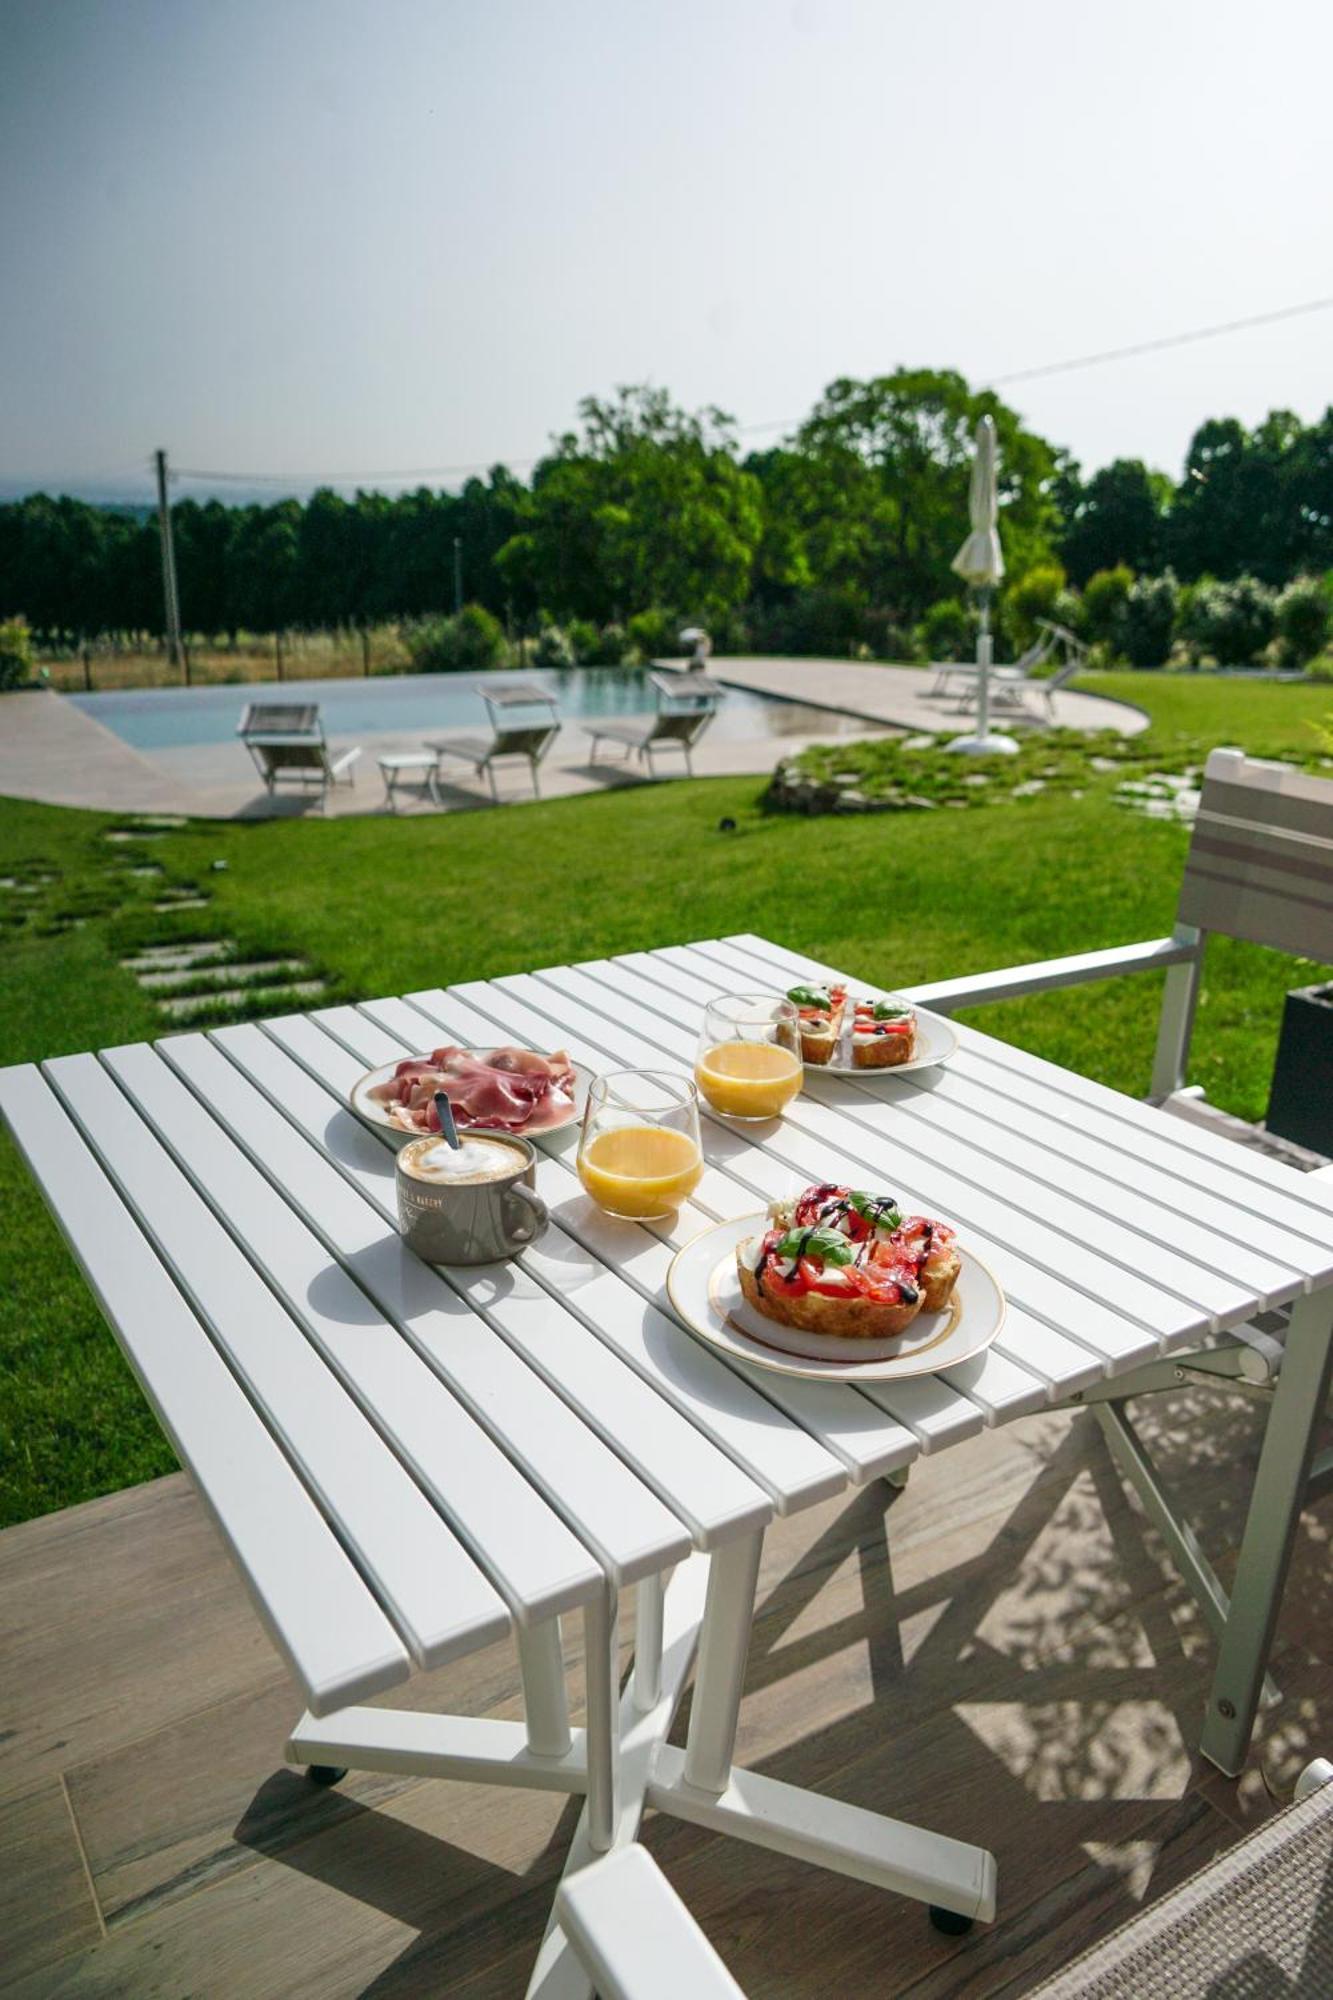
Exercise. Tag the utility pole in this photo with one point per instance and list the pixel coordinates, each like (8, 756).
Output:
(458, 573)
(170, 595)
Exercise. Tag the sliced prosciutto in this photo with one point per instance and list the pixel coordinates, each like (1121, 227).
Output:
(507, 1090)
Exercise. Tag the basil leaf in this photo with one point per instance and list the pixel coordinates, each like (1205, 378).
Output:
(890, 1010)
(881, 1211)
(827, 1246)
(811, 996)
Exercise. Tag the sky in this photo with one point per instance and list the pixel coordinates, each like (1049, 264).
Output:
(327, 239)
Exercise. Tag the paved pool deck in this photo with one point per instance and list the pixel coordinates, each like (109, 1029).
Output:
(52, 751)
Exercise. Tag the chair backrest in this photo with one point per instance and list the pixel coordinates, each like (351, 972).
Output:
(1033, 657)
(1260, 863)
(1064, 672)
(1073, 645)
(280, 718)
(680, 725)
(523, 736)
(678, 690)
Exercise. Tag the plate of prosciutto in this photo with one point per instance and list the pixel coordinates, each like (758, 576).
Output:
(837, 1285)
(503, 1089)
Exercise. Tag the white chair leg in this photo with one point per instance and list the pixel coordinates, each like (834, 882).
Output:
(601, 1645)
(1176, 1023)
(1270, 1530)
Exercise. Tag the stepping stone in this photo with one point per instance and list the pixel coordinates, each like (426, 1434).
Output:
(121, 834)
(211, 977)
(149, 872)
(182, 903)
(166, 821)
(167, 957)
(184, 1006)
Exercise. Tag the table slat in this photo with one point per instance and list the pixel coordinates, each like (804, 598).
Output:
(308, 1593)
(436, 1595)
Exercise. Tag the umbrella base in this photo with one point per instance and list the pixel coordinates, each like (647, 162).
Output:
(985, 746)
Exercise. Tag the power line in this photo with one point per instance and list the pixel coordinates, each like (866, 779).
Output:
(1168, 340)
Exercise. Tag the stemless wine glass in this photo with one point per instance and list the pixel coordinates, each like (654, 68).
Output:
(749, 1059)
(639, 1151)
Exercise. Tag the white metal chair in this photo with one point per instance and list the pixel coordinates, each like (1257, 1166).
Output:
(527, 736)
(634, 1937)
(286, 742)
(1259, 868)
(685, 708)
(968, 670)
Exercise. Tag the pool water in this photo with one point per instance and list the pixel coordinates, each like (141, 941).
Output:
(174, 718)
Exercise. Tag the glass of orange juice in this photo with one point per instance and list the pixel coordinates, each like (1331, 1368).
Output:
(639, 1151)
(749, 1060)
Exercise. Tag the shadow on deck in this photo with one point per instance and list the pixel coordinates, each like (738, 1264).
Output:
(1000, 1651)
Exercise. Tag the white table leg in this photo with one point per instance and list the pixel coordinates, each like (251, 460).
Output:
(601, 1641)
(1270, 1530)
(648, 1642)
(542, 1666)
(723, 1649)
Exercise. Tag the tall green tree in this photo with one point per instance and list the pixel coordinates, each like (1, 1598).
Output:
(1118, 517)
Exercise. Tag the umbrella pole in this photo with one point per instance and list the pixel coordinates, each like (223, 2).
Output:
(983, 668)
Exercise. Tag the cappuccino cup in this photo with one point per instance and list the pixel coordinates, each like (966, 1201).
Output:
(469, 1204)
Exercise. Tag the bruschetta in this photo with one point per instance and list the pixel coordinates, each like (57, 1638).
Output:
(844, 1263)
(883, 1034)
(819, 1010)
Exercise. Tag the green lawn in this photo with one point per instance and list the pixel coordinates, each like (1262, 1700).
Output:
(385, 905)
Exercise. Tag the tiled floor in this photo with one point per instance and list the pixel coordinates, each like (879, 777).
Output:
(999, 1651)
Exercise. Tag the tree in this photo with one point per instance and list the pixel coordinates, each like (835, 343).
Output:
(648, 506)
(882, 506)
(1117, 518)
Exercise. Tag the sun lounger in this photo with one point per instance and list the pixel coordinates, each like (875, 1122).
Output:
(685, 708)
(286, 741)
(525, 722)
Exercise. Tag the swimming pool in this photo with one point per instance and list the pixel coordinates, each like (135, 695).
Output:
(176, 718)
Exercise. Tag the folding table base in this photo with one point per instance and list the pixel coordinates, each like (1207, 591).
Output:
(714, 1597)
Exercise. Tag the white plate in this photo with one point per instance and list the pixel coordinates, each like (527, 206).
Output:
(376, 1114)
(935, 1043)
(706, 1292)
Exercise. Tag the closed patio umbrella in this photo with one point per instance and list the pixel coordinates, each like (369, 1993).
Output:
(980, 563)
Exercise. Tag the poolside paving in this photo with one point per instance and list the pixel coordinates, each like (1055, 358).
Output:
(999, 1651)
(53, 751)
(903, 697)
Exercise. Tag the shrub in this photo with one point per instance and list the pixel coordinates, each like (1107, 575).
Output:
(1104, 598)
(1148, 620)
(15, 652)
(472, 641)
(1304, 618)
(886, 639)
(655, 634)
(947, 632)
(1233, 622)
(1031, 596)
(610, 647)
(829, 619)
(553, 649)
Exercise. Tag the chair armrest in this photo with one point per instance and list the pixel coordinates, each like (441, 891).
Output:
(344, 761)
(635, 1937)
(1045, 975)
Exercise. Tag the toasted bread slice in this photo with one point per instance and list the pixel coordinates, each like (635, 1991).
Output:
(882, 1051)
(840, 1319)
(819, 1037)
(939, 1275)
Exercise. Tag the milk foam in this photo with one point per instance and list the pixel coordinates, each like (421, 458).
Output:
(471, 1160)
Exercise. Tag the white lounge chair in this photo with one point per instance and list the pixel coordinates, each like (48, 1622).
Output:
(634, 1937)
(685, 708)
(529, 736)
(286, 741)
(947, 671)
(1259, 868)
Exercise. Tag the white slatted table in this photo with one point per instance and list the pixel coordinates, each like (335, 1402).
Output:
(407, 1462)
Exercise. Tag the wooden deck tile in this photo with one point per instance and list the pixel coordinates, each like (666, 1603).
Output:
(998, 1651)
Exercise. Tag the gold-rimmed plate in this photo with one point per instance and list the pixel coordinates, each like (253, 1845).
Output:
(705, 1291)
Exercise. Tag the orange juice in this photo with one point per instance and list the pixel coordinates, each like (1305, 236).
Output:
(749, 1079)
(640, 1170)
